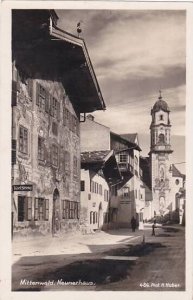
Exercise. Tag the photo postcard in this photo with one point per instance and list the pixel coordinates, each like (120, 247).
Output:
(96, 123)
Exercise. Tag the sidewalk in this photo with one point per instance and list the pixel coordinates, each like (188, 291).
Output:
(74, 243)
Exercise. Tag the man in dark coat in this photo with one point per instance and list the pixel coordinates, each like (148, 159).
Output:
(133, 224)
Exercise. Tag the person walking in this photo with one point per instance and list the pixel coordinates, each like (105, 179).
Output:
(133, 224)
(153, 227)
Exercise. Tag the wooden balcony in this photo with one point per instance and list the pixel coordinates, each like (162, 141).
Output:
(126, 168)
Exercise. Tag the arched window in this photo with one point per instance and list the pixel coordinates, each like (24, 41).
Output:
(161, 138)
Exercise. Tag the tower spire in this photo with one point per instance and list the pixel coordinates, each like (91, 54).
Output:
(160, 94)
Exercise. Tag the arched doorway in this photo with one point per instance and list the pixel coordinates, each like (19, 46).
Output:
(100, 216)
(56, 212)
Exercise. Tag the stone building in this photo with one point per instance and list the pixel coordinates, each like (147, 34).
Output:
(127, 198)
(99, 173)
(53, 82)
(166, 180)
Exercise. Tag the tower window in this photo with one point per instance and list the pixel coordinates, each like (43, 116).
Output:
(161, 138)
(161, 117)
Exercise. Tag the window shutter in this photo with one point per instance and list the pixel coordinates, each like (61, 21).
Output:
(13, 156)
(14, 93)
(25, 208)
(47, 102)
(29, 208)
(36, 209)
(58, 111)
(47, 209)
(37, 93)
(51, 106)
(30, 88)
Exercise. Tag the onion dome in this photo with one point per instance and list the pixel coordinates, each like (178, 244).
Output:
(160, 105)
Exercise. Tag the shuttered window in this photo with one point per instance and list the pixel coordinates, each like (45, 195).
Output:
(14, 93)
(55, 155)
(70, 209)
(41, 209)
(41, 148)
(24, 208)
(23, 140)
(14, 151)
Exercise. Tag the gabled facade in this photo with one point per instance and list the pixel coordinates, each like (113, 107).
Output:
(127, 198)
(47, 100)
(130, 198)
(99, 172)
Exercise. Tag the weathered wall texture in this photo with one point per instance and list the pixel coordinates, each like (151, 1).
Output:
(61, 177)
(94, 136)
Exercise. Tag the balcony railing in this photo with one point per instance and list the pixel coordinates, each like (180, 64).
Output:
(125, 167)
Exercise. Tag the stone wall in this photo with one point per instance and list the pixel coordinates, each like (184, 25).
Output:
(57, 125)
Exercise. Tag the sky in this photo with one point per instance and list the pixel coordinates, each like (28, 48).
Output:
(135, 53)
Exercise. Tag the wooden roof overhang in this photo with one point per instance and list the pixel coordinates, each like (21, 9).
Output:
(43, 50)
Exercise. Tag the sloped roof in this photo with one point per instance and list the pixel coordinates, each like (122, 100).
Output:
(95, 156)
(126, 140)
(176, 172)
(130, 137)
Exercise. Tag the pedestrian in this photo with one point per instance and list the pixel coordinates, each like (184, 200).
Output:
(133, 224)
(153, 227)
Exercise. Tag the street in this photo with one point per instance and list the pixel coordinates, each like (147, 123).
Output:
(117, 260)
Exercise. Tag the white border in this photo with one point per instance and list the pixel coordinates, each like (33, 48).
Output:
(5, 146)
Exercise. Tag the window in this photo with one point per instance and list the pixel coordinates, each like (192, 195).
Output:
(106, 195)
(67, 161)
(136, 194)
(161, 117)
(23, 140)
(14, 149)
(126, 192)
(54, 108)
(41, 149)
(41, 212)
(92, 185)
(91, 217)
(96, 188)
(70, 209)
(123, 158)
(82, 185)
(177, 181)
(100, 189)
(55, 128)
(64, 116)
(75, 166)
(30, 88)
(42, 99)
(24, 208)
(55, 155)
(136, 162)
(114, 190)
(161, 138)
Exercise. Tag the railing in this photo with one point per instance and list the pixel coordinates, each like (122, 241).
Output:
(125, 167)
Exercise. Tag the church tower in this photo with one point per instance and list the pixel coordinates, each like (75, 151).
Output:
(160, 156)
